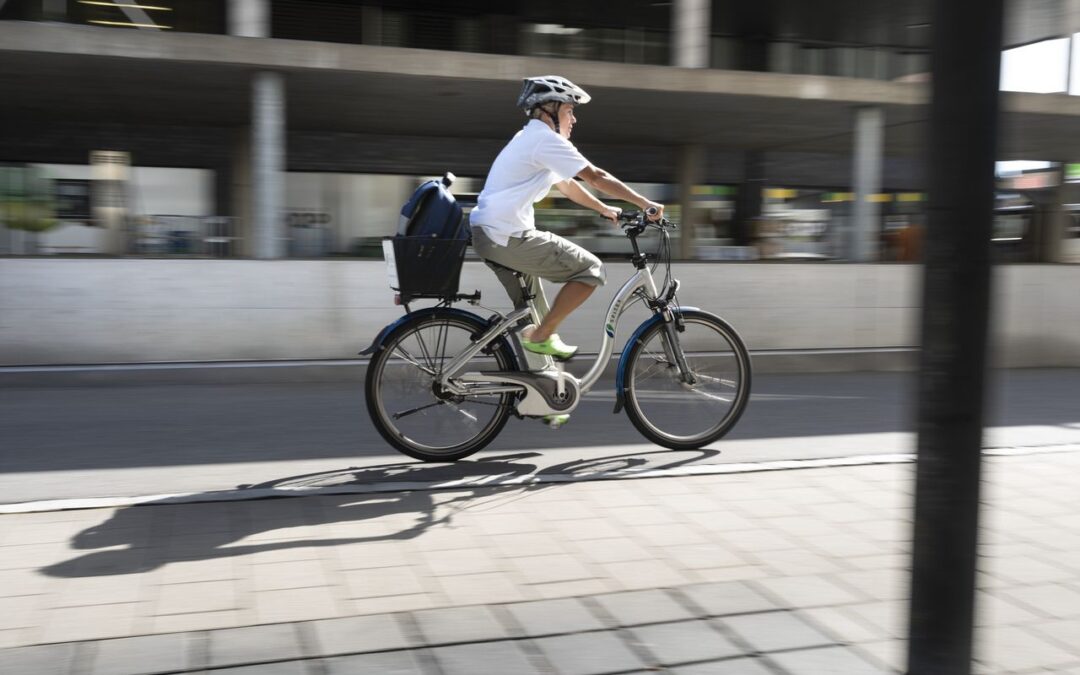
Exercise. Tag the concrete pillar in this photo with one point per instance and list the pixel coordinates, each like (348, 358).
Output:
(748, 200)
(691, 21)
(249, 18)
(691, 170)
(869, 146)
(267, 165)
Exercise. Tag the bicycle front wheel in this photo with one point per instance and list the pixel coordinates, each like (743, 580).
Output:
(408, 407)
(687, 410)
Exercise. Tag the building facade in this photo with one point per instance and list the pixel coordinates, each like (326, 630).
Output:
(297, 128)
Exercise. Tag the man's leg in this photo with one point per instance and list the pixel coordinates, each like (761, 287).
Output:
(570, 297)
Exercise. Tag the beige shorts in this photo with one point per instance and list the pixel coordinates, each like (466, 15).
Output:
(539, 255)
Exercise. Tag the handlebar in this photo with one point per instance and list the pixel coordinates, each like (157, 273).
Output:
(639, 220)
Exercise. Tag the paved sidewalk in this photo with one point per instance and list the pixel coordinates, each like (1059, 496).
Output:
(798, 571)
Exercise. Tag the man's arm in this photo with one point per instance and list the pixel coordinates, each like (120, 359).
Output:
(610, 185)
(580, 195)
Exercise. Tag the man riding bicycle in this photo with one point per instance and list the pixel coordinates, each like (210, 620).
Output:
(503, 223)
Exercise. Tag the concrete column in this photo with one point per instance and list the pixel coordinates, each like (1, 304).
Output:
(748, 199)
(869, 146)
(691, 21)
(691, 170)
(249, 18)
(267, 165)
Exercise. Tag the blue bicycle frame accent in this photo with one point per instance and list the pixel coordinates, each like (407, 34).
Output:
(620, 372)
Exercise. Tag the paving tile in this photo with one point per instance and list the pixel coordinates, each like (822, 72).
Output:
(669, 535)
(550, 617)
(1027, 570)
(464, 561)
(89, 623)
(703, 556)
(460, 624)
(809, 591)
(997, 608)
(204, 596)
(173, 623)
(545, 568)
(1064, 633)
(634, 574)
(1015, 648)
(279, 668)
(588, 654)
(385, 663)
(399, 603)
(526, 544)
(144, 654)
(737, 573)
(889, 654)
(372, 555)
(285, 575)
(794, 562)
(568, 589)
(488, 658)
(832, 660)
(471, 589)
(298, 604)
(613, 550)
(253, 644)
(39, 660)
(844, 626)
(722, 599)
(877, 584)
(891, 618)
(637, 516)
(727, 667)
(589, 528)
(634, 608)
(776, 630)
(390, 581)
(21, 611)
(356, 634)
(685, 642)
(1053, 600)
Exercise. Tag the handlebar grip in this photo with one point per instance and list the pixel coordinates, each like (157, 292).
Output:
(652, 211)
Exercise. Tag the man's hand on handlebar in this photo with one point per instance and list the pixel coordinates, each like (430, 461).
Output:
(654, 211)
(612, 213)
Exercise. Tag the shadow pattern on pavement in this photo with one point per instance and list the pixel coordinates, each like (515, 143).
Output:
(163, 533)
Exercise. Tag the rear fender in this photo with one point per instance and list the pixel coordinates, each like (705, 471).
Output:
(378, 343)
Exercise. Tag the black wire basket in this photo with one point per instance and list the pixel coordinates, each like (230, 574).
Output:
(426, 267)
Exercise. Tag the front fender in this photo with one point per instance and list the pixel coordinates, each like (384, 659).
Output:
(620, 372)
(377, 343)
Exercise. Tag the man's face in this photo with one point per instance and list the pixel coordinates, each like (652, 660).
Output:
(566, 119)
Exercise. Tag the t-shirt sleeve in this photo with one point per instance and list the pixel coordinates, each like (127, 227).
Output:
(559, 156)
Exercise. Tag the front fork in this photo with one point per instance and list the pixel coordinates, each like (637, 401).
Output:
(673, 325)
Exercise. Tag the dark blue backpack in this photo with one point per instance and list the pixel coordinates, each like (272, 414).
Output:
(429, 248)
(433, 212)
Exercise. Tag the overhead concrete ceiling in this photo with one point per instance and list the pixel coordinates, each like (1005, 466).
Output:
(89, 76)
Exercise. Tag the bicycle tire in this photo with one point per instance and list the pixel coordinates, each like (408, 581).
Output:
(397, 382)
(671, 403)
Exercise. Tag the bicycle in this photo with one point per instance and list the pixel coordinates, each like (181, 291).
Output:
(442, 382)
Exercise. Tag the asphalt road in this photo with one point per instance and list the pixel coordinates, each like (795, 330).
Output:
(145, 439)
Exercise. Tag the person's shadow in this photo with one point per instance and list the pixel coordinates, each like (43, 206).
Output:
(432, 493)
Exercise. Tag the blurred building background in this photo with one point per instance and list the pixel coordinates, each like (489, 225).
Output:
(776, 129)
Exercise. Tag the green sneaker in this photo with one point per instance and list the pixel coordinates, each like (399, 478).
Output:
(553, 346)
(555, 421)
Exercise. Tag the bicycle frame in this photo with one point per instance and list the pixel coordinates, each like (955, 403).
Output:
(641, 279)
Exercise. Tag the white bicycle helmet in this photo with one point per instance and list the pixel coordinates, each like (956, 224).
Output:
(538, 90)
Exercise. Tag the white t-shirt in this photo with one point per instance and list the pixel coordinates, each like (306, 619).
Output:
(535, 159)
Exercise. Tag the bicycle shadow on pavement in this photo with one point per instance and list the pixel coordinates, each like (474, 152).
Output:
(402, 501)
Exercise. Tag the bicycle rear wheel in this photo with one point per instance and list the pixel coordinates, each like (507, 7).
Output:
(682, 415)
(412, 412)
